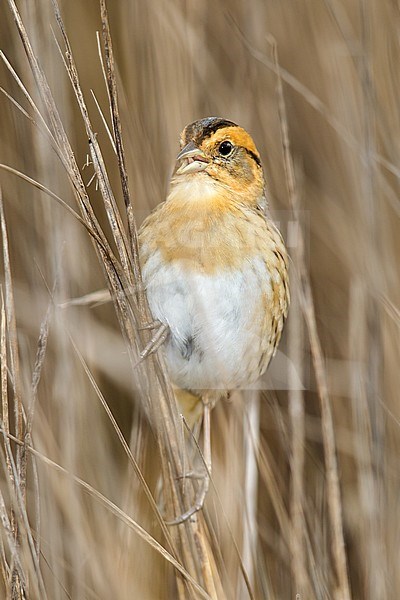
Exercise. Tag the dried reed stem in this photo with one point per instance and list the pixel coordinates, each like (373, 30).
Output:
(297, 421)
(116, 121)
(17, 475)
(307, 302)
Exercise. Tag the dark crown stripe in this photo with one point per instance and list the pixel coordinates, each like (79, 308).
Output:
(214, 125)
(253, 156)
(204, 128)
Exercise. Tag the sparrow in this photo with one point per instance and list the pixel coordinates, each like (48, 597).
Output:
(214, 265)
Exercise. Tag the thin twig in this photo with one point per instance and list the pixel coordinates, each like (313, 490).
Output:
(297, 420)
(43, 125)
(23, 521)
(12, 545)
(113, 97)
(106, 127)
(62, 203)
(18, 479)
(13, 342)
(4, 378)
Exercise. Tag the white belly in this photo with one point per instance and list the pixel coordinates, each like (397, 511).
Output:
(219, 333)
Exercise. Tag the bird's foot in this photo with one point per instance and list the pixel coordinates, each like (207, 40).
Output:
(198, 503)
(154, 344)
(205, 476)
(150, 326)
(193, 474)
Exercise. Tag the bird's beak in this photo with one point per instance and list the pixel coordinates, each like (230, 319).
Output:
(191, 160)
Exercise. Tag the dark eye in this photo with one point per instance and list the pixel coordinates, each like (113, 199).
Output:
(225, 148)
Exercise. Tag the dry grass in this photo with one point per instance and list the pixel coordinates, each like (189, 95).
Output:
(305, 488)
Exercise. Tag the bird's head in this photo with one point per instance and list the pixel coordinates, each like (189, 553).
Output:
(219, 156)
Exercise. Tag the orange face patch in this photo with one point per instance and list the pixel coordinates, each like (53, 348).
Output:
(237, 135)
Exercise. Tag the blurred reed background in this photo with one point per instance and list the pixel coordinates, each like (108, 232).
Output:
(178, 61)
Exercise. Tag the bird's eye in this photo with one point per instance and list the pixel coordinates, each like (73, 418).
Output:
(225, 148)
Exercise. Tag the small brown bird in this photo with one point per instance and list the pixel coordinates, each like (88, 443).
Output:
(214, 265)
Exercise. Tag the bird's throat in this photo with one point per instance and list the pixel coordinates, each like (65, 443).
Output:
(200, 197)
